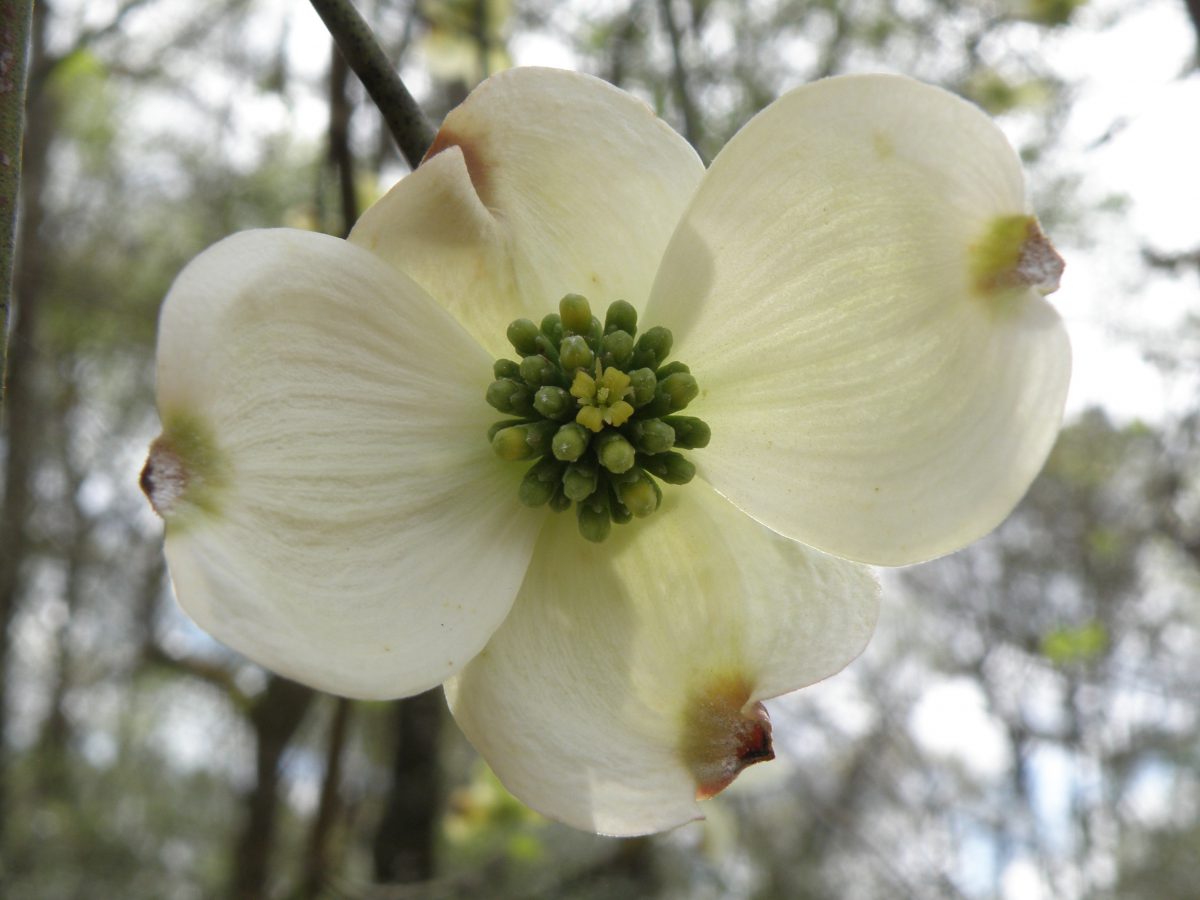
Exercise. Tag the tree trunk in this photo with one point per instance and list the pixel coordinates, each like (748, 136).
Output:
(275, 716)
(21, 406)
(404, 843)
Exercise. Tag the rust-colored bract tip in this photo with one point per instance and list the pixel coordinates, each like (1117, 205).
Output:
(1014, 252)
(164, 477)
(720, 739)
(477, 166)
(1040, 265)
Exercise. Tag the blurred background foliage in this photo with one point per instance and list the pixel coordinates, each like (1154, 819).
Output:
(1024, 725)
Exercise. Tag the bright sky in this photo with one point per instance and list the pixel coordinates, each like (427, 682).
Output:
(1131, 80)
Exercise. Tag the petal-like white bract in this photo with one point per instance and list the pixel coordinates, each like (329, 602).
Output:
(864, 396)
(360, 536)
(542, 183)
(587, 701)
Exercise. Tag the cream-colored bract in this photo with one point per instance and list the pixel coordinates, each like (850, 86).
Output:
(364, 540)
(579, 699)
(862, 398)
(355, 531)
(541, 184)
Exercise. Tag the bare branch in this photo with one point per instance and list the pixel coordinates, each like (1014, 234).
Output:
(404, 118)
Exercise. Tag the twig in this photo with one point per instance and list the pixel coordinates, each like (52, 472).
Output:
(408, 125)
(16, 17)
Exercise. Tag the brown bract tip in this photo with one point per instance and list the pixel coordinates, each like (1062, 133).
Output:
(477, 167)
(164, 478)
(721, 738)
(1040, 266)
(1014, 253)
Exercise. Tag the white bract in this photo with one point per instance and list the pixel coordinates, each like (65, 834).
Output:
(856, 284)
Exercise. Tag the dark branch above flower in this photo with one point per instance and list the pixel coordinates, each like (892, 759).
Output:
(405, 120)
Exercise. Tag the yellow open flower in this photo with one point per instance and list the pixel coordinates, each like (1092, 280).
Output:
(856, 286)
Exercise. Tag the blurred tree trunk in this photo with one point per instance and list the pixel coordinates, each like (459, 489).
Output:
(55, 773)
(16, 20)
(405, 839)
(21, 408)
(317, 862)
(1193, 8)
(275, 715)
(341, 158)
(692, 129)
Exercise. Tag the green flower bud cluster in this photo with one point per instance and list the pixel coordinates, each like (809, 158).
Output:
(595, 407)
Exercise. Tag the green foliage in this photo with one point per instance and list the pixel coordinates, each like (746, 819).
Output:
(88, 104)
(999, 95)
(1065, 646)
(1053, 13)
(466, 39)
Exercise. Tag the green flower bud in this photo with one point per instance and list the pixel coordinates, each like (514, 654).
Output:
(560, 502)
(497, 427)
(553, 402)
(552, 328)
(510, 443)
(652, 436)
(641, 496)
(690, 433)
(595, 521)
(537, 371)
(621, 316)
(619, 512)
(570, 442)
(576, 314)
(512, 397)
(539, 436)
(614, 452)
(670, 369)
(579, 481)
(547, 348)
(652, 347)
(617, 349)
(673, 393)
(644, 385)
(524, 441)
(506, 368)
(671, 467)
(595, 334)
(502, 395)
(574, 353)
(522, 334)
(540, 483)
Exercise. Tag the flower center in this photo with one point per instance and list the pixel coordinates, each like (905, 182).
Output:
(597, 411)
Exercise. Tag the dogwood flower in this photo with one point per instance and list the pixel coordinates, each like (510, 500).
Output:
(855, 286)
